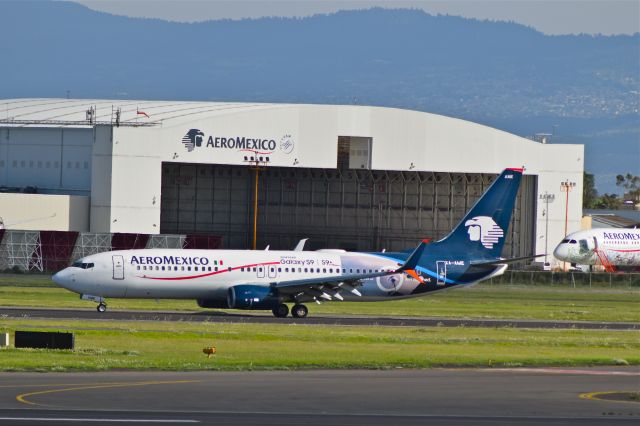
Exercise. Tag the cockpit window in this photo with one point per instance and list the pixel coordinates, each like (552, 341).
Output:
(573, 242)
(566, 240)
(83, 265)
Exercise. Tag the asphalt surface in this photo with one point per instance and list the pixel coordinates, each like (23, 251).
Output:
(346, 397)
(216, 316)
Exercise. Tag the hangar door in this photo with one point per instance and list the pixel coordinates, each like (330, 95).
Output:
(349, 209)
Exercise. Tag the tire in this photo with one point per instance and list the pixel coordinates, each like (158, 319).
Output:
(299, 311)
(101, 307)
(281, 311)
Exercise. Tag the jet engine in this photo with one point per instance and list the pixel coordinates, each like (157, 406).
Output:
(252, 297)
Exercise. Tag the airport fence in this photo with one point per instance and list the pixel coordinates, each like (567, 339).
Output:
(567, 279)
(41, 251)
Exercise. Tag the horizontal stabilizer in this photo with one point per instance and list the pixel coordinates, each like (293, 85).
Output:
(503, 261)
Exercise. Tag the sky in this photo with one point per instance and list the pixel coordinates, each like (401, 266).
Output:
(548, 16)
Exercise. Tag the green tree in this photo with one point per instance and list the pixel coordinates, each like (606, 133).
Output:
(608, 201)
(631, 183)
(589, 192)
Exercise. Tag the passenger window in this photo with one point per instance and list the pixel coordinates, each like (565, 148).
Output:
(163, 268)
(138, 267)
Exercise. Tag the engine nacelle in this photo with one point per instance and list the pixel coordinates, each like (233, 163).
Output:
(213, 304)
(252, 297)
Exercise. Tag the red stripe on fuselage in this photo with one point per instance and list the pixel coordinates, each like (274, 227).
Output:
(209, 273)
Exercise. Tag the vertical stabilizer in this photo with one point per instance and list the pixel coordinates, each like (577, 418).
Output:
(483, 230)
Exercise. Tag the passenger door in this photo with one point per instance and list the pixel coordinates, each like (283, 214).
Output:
(118, 267)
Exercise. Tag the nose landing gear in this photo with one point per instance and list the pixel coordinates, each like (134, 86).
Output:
(102, 307)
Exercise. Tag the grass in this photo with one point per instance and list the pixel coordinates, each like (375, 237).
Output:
(481, 301)
(102, 345)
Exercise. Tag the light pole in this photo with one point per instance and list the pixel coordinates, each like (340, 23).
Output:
(547, 198)
(566, 187)
(257, 162)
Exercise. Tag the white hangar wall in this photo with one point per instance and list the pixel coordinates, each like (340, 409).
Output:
(51, 159)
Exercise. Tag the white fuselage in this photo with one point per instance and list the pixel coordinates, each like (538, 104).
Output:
(616, 246)
(208, 274)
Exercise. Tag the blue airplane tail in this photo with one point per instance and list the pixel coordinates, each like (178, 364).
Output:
(483, 230)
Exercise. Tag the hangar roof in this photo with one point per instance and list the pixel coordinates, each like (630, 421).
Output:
(74, 111)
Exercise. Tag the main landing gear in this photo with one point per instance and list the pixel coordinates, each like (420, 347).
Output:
(102, 307)
(281, 311)
(297, 311)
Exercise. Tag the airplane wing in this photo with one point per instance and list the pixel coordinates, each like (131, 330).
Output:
(330, 287)
(327, 287)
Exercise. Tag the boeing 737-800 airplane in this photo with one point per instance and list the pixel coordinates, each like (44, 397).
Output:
(247, 279)
(601, 246)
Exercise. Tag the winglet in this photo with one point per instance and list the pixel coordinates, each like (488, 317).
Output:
(414, 258)
(300, 245)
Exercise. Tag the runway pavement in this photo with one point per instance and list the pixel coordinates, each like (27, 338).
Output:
(345, 397)
(253, 317)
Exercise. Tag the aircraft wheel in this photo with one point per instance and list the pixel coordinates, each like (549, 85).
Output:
(281, 311)
(101, 307)
(299, 311)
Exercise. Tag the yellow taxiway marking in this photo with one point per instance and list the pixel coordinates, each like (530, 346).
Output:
(594, 396)
(23, 396)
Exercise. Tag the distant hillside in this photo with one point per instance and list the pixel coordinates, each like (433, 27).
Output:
(503, 74)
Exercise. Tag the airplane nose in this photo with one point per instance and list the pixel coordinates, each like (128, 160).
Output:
(62, 278)
(560, 252)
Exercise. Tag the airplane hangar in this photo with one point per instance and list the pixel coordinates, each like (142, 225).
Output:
(346, 176)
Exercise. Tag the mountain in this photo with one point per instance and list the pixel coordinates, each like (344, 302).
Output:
(584, 88)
